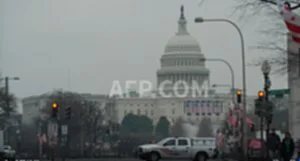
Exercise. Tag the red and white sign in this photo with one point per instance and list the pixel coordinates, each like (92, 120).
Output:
(291, 20)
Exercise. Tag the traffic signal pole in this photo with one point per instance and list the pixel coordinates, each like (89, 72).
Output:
(261, 96)
(266, 68)
(261, 127)
(266, 88)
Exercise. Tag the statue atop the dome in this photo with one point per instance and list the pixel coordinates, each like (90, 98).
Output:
(182, 12)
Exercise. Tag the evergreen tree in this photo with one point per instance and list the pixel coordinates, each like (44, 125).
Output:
(163, 127)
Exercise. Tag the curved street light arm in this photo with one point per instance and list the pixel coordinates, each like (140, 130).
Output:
(200, 19)
(231, 72)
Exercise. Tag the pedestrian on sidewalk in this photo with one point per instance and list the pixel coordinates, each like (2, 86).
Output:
(273, 144)
(287, 147)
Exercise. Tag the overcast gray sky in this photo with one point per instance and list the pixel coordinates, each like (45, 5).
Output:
(105, 40)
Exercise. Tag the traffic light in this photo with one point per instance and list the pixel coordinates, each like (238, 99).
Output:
(54, 107)
(68, 113)
(239, 96)
(261, 95)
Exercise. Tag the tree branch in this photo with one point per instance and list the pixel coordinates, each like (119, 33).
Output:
(269, 1)
(288, 3)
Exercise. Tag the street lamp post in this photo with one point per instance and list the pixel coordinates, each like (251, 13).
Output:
(200, 20)
(231, 72)
(266, 68)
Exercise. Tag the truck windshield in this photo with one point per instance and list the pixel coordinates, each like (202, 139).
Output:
(162, 141)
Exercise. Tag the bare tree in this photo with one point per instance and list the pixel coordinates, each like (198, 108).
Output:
(272, 27)
(86, 117)
(5, 110)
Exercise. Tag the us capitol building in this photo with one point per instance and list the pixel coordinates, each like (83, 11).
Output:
(182, 60)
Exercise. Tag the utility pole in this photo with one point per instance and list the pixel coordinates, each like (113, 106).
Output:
(260, 111)
(266, 68)
(7, 101)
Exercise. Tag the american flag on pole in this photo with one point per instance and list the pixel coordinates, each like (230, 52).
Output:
(291, 20)
(43, 138)
(231, 119)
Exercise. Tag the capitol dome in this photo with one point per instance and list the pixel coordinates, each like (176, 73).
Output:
(182, 59)
(182, 41)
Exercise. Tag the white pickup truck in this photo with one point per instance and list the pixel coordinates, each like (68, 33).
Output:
(195, 149)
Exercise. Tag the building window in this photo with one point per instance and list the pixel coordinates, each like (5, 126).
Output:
(138, 105)
(146, 105)
(152, 112)
(146, 112)
(138, 111)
